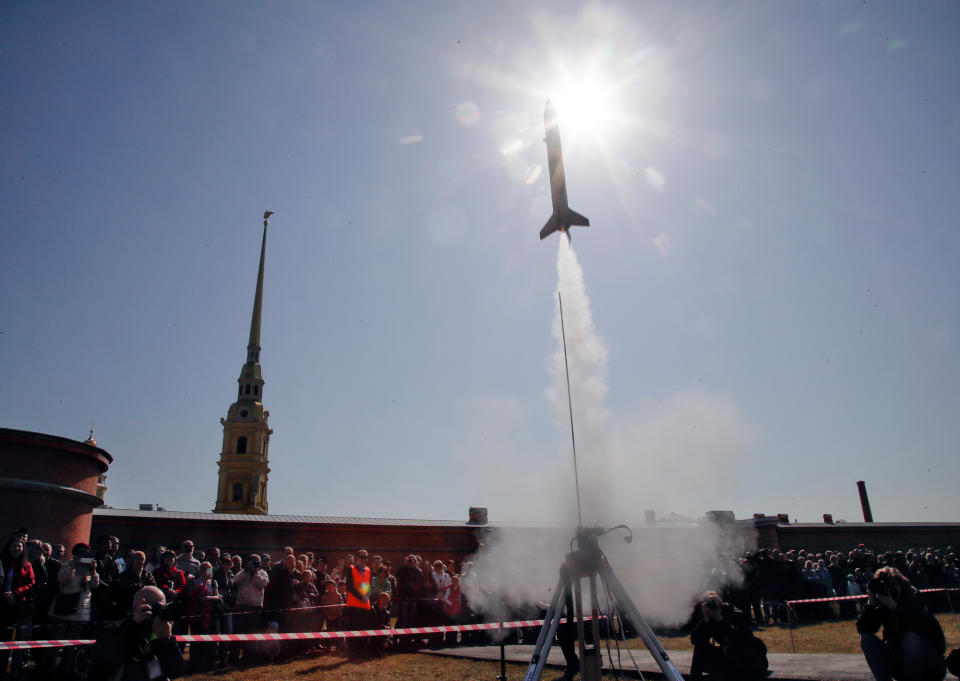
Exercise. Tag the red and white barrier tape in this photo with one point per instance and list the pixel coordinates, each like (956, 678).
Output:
(259, 611)
(422, 631)
(854, 598)
(298, 636)
(20, 645)
(197, 617)
(826, 600)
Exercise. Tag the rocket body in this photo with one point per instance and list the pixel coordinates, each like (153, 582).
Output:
(563, 217)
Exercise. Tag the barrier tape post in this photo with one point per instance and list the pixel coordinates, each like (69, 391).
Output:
(503, 652)
(793, 646)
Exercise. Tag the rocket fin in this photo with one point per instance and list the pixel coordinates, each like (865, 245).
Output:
(571, 218)
(549, 228)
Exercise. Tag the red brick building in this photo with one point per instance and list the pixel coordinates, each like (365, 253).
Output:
(50, 485)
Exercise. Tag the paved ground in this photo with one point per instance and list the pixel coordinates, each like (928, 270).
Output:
(797, 667)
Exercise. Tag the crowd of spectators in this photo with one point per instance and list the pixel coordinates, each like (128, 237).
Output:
(117, 594)
(761, 582)
(88, 592)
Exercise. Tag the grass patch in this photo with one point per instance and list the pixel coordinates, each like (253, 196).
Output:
(393, 667)
(825, 637)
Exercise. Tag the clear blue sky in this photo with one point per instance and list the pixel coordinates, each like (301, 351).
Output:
(773, 192)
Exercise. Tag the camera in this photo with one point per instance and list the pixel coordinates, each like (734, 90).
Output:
(168, 613)
(878, 586)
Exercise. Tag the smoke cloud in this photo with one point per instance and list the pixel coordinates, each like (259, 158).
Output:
(678, 450)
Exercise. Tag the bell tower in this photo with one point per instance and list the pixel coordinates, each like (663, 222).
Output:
(246, 435)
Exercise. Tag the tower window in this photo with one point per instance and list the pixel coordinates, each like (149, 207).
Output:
(241, 445)
(248, 388)
(238, 491)
(256, 390)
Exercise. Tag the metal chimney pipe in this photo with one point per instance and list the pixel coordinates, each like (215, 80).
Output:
(864, 502)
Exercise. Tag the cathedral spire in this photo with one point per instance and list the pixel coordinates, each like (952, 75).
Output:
(244, 465)
(253, 347)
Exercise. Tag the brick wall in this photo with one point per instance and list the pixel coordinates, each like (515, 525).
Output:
(393, 542)
(48, 485)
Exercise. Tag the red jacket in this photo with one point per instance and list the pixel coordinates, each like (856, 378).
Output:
(170, 579)
(22, 585)
(23, 581)
(198, 608)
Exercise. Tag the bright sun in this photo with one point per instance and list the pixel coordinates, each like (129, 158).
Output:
(583, 105)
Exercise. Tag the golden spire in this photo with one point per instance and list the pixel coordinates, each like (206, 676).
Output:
(253, 347)
(90, 441)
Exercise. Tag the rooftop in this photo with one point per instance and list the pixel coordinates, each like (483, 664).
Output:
(295, 519)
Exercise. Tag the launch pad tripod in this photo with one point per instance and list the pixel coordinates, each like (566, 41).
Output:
(588, 562)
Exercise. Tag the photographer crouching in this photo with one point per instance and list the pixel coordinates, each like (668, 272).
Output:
(913, 645)
(724, 647)
(142, 646)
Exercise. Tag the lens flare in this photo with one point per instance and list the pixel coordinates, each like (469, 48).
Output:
(532, 173)
(467, 114)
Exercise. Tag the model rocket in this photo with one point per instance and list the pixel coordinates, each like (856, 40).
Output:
(563, 218)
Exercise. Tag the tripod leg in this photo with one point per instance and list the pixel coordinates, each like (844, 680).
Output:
(566, 632)
(592, 656)
(633, 614)
(581, 636)
(549, 629)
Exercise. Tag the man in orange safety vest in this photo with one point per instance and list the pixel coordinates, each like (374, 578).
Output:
(358, 613)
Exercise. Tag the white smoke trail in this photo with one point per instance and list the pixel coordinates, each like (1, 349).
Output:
(586, 358)
(664, 568)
